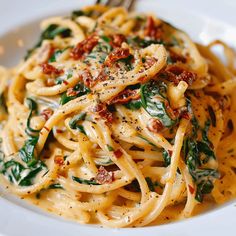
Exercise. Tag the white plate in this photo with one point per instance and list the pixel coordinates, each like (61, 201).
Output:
(204, 20)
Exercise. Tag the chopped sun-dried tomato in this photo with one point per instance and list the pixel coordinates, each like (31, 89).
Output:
(59, 131)
(103, 112)
(117, 54)
(186, 115)
(50, 69)
(86, 78)
(172, 113)
(152, 30)
(86, 46)
(125, 96)
(191, 189)
(170, 152)
(175, 74)
(154, 125)
(176, 57)
(47, 113)
(118, 153)
(104, 176)
(71, 92)
(118, 39)
(59, 160)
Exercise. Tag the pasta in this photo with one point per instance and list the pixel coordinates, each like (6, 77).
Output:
(119, 119)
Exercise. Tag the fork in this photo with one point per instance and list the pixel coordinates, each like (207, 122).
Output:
(128, 4)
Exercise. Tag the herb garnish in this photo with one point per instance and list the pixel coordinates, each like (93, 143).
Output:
(84, 181)
(154, 100)
(80, 88)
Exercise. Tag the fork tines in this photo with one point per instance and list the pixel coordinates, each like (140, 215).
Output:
(128, 4)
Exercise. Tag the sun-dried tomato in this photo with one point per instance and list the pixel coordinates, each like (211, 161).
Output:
(86, 46)
(125, 96)
(118, 153)
(71, 92)
(177, 57)
(104, 176)
(59, 160)
(175, 74)
(117, 54)
(191, 189)
(154, 125)
(117, 41)
(152, 30)
(103, 112)
(50, 69)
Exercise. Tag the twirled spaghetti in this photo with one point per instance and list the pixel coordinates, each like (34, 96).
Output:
(119, 119)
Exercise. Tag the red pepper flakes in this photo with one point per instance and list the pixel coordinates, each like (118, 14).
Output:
(191, 189)
(142, 79)
(170, 152)
(47, 113)
(125, 96)
(59, 131)
(86, 46)
(59, 160)
(118, 153)
(65, 82)
(50, 69)
(104, 176)
(117, 54)
(44, 127)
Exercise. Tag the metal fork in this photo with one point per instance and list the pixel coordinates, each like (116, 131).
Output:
(128, 4)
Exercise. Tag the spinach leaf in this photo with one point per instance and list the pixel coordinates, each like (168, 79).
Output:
(81, 90)
(154, 100)
(142, 43)
(133, 105)
(50, 32)
(78, 13)
(56, 54)
(74, 122)
(33, 171)
(166, 157)
(20, 174)
(27, 152)
(33, 109)
(204, 187)
(193, 151)
(127, 62)
(134, 185)
(84, 181)
(101, 50)
(55, 186)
